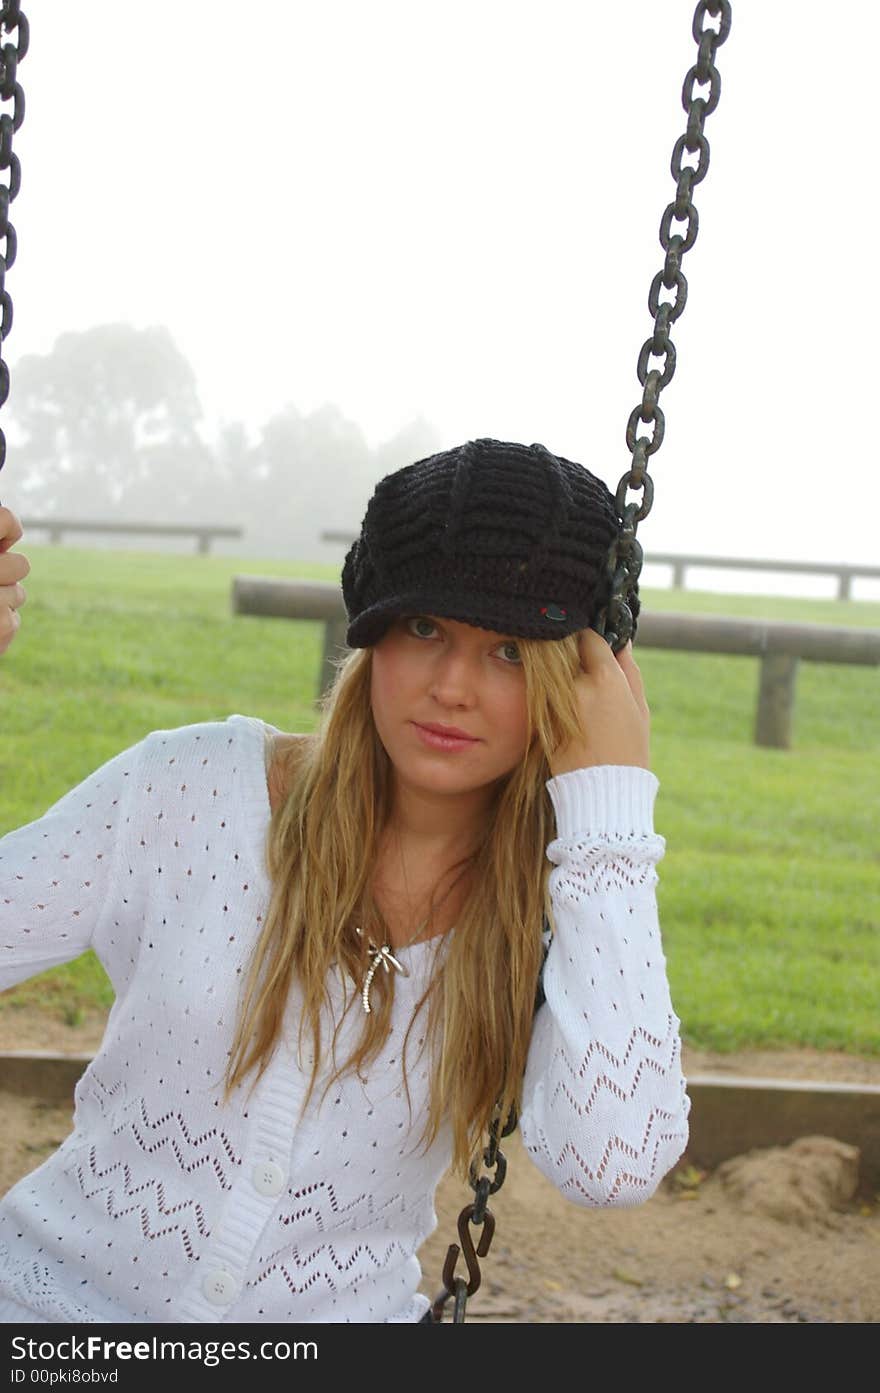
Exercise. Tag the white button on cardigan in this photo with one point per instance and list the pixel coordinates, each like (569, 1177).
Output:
(220, 1287)
(268, 1178)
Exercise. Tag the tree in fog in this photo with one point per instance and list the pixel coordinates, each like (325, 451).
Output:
(315, 472)
(106, 427)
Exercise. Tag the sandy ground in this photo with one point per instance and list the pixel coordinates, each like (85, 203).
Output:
(782, 1236)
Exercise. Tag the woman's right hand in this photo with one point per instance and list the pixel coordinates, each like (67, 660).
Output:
(13, 568)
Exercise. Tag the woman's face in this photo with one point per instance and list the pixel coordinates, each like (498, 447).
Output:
(427, 669)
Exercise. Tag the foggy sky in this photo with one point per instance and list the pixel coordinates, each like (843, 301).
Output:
(407, 209)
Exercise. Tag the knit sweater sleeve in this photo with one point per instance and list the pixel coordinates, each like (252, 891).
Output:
(58, 874)
(605, 1110)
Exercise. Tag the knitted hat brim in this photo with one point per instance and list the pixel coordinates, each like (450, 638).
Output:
(519, 616)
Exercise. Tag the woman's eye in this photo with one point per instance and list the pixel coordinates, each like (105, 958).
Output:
(516, 661)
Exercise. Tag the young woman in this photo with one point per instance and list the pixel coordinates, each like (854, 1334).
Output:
(326, 948)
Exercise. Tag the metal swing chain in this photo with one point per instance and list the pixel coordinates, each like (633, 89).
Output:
(11, 55)
(615, 622)
(478, 1213)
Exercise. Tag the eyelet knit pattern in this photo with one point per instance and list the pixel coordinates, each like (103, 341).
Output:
(164, 1205)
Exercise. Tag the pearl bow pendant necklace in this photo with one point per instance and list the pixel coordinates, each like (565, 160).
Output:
(381, 957)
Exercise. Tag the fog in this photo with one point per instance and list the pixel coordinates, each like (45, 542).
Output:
(266, 256)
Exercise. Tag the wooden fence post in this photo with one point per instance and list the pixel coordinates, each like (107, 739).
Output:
(776, 700)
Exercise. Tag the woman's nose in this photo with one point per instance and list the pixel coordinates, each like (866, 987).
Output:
(455, 676)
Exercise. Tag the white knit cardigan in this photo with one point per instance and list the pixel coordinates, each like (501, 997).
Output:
(165, 1205)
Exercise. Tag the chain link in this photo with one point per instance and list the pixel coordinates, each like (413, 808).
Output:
(11, 54)
(625, 558)
(478, 1213)
(481, 1217)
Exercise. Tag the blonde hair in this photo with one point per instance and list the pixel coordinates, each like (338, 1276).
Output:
(321, 847)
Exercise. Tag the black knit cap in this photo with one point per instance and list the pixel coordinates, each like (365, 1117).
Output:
(492, 533)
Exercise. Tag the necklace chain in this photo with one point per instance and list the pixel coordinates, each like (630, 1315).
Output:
(382, 955)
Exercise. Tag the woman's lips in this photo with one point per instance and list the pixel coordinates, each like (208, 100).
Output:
(442, 742)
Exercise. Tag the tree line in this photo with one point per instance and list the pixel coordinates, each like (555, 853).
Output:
(108, 426)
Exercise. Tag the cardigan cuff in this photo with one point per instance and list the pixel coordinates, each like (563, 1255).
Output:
(616, 799)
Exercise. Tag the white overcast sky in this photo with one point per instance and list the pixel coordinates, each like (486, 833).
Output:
(404, 207)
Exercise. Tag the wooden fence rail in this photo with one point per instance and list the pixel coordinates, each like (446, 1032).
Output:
(203, 532)
(780, 646)
(845, 572)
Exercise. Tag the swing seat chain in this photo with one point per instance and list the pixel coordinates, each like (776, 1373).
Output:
(480, 1216)
(615, 622)
(11, 18)
(624, 563)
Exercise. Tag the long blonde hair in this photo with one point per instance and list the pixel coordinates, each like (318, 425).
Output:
(321, 848)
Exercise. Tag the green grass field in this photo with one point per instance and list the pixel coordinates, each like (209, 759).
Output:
(770, 887)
